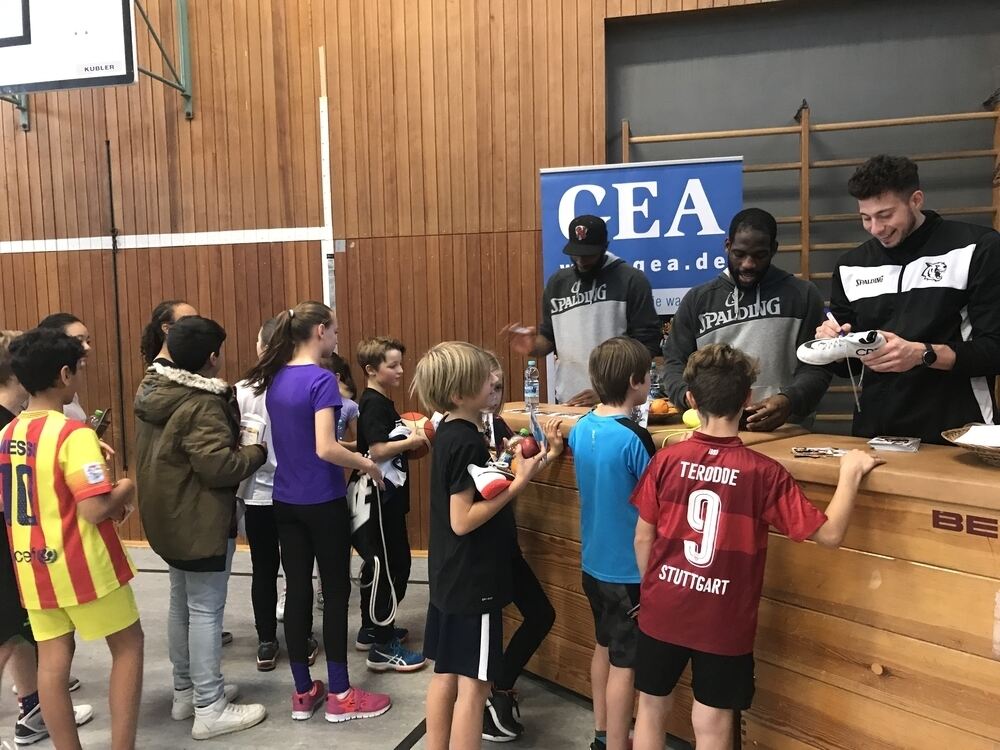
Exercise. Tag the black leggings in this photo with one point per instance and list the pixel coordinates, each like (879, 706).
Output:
(538, 614)
(368, 542)
(320, 532)
(262, 533)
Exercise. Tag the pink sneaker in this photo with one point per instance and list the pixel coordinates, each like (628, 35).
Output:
(304, 705)
(357, 704)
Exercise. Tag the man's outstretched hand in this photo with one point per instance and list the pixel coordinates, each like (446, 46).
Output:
(521, 338)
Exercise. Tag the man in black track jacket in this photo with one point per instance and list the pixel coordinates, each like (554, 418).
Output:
(760, 309)
(932, 286)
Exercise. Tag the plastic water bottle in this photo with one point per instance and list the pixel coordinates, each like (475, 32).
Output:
(641, 413)
(654, 382)
(531, 385)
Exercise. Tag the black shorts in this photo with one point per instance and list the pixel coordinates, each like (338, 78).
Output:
(467, 645)
(614, 627)
(13, 618)
(717, 681)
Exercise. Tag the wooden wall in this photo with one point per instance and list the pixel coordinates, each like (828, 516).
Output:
(441, 114)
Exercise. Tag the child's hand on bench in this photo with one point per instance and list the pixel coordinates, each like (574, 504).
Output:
(554, 437)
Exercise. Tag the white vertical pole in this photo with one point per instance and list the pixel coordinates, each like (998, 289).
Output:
(326, 244)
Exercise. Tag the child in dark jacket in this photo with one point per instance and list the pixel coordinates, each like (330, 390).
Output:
(189, 465)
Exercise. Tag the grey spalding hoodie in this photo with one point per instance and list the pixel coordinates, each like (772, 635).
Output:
(579, 314)
(768, 323)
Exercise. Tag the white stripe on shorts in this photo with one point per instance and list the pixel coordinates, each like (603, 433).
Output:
(484, 646)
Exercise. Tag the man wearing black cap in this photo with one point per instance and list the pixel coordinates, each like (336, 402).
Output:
(599, 297)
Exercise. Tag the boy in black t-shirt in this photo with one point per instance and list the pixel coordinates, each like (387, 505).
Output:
(472, 542)
(384, 537)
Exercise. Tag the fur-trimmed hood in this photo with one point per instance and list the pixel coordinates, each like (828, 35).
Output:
(188, 462)
(164, 389)
(190, 379)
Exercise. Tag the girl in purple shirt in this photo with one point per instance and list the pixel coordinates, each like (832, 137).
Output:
(303, 403)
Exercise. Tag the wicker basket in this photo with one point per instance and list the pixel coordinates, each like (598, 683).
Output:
(990, 456)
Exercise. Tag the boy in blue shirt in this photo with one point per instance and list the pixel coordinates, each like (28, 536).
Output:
(610, 454)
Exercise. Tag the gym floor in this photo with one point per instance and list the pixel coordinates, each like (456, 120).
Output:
(553, 717)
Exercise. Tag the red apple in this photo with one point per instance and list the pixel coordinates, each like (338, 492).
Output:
(529, 447)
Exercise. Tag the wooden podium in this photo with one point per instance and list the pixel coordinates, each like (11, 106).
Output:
(892, 641)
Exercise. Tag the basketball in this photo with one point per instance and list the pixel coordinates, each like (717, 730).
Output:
(415, 421)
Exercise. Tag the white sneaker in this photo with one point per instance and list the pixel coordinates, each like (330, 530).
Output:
(279, 611)
(82, 713)
(825, 351)
(183, 707)
(223, 717)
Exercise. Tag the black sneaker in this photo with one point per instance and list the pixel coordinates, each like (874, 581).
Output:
(30, 727)
(366, 637)
(227, 637)
(312, 648)
(491, 732)
(267, 656)
(499, 724)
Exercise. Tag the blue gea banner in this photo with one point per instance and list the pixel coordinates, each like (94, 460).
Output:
(668, 219)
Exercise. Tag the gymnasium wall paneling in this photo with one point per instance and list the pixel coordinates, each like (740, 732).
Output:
(435, 144)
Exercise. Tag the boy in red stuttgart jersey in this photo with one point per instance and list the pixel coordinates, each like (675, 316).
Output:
(705, 506)
(60, 507)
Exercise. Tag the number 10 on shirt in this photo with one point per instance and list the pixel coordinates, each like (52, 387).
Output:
(23, 476)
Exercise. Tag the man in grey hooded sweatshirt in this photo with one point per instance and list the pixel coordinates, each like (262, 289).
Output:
(762, 310)
(598, 297)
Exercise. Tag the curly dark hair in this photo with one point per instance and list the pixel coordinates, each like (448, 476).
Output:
(884, 174)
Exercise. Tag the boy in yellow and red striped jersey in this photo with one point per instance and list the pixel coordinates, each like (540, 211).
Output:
(72, 570)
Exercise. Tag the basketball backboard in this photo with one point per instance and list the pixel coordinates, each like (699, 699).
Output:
(48, 45)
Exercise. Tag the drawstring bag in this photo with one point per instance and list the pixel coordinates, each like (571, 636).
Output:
(361, 493)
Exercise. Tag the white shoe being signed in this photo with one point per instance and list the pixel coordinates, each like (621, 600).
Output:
(825, 351)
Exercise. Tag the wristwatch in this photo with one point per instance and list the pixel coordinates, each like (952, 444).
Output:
(929, 357)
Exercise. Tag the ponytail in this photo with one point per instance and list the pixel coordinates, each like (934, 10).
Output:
(152, 335)
(293, 327)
